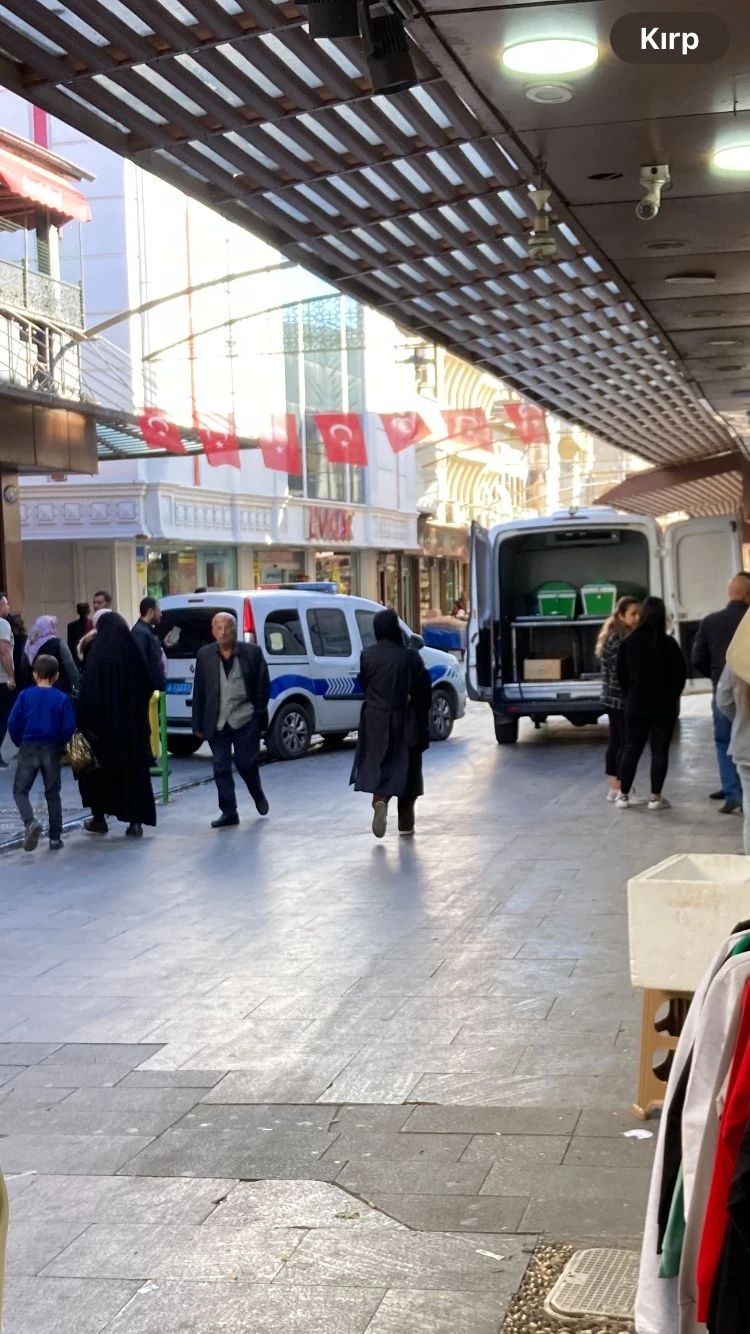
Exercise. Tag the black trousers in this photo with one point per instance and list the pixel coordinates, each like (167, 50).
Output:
(245, 741)
(657, 729)
(616, 747)
(7, 699)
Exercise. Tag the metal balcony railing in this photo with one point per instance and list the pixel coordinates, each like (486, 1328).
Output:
(39, 296)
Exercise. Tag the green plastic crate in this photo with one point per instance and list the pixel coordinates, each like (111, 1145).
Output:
(598, 599)
(557, 599)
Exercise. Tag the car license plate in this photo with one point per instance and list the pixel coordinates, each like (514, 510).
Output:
(179, 687)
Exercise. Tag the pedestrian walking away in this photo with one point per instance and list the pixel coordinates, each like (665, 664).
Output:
(733, 699)
(42, 721)
(615, 629)
(708, 658)
(652, 672)
(83, 625)
(44, 637)
(394, 725)
(20, 640)
(146, 637)
(230, 710)
(7, 672)
(112, 713)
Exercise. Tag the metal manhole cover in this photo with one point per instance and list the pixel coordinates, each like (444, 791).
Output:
(596, 1283)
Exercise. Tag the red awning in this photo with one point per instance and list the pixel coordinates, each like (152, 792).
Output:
(42, 188)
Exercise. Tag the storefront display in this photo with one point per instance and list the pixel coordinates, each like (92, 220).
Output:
(276, 568)
(182, 570)
(338, 569)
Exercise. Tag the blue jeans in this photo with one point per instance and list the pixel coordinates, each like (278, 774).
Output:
(245, 741)
(730, 780)
(39, 757)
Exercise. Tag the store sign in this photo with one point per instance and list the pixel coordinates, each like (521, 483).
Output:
(328, 525)
(448, 542)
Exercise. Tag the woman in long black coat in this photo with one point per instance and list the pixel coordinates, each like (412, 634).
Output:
(394, 728)
(112, 712)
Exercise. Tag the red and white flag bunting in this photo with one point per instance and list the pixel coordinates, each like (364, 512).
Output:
(469, 426)
(404, 429)
(280, 447)
(343, 437)
(530, 422)
(219, 442)
(160, 432)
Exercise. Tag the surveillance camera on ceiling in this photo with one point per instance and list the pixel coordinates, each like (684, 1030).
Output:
(653, 179)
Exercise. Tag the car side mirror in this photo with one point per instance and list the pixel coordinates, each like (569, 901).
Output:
(416, 642)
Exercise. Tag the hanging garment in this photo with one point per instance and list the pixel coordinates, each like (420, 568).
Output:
(656, 1298)
(713, 1054)
(732, 1128)
(730, 1299)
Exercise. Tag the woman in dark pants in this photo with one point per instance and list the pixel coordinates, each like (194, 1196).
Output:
(623, 619)
(394, 725)
(652, 673)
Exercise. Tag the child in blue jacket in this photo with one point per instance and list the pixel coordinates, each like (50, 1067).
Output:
(41, 723)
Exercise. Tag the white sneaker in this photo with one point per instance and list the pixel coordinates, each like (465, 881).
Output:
(659, 804)
(612, 795)
(622, 802)
(634, 799)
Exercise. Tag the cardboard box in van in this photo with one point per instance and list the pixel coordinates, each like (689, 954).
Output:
(547, 669)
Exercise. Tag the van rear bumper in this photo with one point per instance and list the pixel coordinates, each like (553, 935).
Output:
(549, 697)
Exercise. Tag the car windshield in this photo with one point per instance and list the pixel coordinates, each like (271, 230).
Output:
(185, 630)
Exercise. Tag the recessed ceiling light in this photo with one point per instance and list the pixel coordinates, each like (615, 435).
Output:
(665, 245)
(549, 94)
(605, 176)
(705, 314)
(723, 342)
(691, 279)
(734, 158)
(551, 55)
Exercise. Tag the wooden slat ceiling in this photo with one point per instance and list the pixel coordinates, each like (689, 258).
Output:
(415, 203)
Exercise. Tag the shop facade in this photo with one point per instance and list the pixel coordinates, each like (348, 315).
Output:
(443, 565)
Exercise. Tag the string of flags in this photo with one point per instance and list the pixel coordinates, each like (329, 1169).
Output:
(341, 433)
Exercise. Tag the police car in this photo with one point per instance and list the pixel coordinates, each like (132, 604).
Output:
(312, 638)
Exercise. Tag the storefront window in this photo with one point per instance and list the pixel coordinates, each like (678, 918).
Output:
(340, 570)
(185, 569)
(280, 567)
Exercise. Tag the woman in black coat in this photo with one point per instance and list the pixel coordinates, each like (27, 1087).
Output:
(112, 712)
(652, 673)
(394, 726)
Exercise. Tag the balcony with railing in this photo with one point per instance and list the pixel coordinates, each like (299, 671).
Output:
(40, 296)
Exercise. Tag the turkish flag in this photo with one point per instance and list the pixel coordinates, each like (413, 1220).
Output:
(343, 439)
(470, 426)
(160, 432)
(404, 429)
(530, 422)
(219, 443)
(280, 449)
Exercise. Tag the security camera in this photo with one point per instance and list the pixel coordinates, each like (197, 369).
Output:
(654, 180)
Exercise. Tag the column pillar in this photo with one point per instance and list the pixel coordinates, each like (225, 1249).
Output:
(11, 565)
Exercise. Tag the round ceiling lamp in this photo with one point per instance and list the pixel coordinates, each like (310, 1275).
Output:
(551, 55)
(549, 94)
(697, 279)
(734, 158)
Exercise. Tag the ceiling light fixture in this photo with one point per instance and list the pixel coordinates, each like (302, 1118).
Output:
(549, 94)
(386, 48)
(551, 55)
(605, 176)
(666, 245)
(733, 158)
(697, 279)
(333, 18)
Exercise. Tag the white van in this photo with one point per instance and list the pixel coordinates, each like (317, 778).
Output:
(312, 639)
(508, 642)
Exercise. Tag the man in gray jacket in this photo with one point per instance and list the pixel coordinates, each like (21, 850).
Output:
(230, 709)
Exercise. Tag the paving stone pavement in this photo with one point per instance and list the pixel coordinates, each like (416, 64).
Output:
(284, 1077)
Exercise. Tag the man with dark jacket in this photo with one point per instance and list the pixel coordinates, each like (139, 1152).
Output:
(145, 636)
(709, 656)
(230, 709)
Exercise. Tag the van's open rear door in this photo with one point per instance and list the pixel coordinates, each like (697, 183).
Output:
(480, 646)
(701, 555)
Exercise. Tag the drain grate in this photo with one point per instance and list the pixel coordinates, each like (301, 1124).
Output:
(596, 1283)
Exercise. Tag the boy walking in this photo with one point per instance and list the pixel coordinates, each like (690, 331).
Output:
(41, 723)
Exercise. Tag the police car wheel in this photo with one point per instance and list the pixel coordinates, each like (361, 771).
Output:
(291, 732)
(441, 716)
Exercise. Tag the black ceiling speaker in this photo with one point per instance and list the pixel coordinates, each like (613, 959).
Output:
(386, 49)
(333, 18)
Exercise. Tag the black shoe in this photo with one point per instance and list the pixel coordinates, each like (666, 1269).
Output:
(33, 834)
(134, 830)
(55, 844)
(96, 826)
(224, 821)
(731, 808)
(262, 806)
(718, 796)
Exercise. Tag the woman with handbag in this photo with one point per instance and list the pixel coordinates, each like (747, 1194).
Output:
(394, 726)
(112, 714)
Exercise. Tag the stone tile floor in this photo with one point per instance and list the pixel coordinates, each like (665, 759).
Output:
(286, 1078)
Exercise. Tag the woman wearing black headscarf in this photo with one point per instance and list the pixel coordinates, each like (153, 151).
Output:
(394, 725)
(112, 712)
